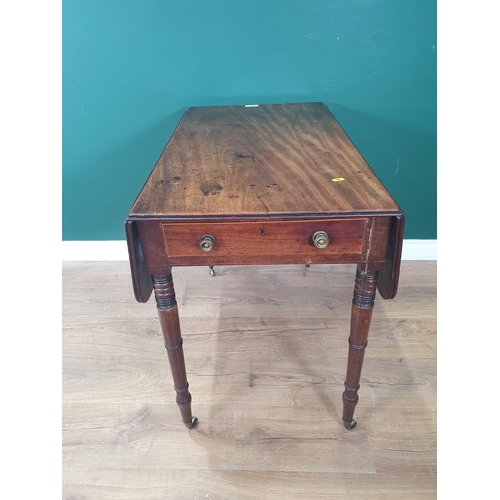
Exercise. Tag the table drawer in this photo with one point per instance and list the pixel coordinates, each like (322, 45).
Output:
(266, 238)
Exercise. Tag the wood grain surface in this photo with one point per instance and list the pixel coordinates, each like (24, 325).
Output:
(265, 350)
(267, 160)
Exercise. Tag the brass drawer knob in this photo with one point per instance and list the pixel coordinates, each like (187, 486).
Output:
(207, 242)
(320, 239)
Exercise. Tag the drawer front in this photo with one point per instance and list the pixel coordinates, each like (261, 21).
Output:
(266, 241)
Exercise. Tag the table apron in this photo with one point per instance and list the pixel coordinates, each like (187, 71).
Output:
(351, 240)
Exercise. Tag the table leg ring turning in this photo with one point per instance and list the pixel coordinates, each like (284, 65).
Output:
(361, 313)
(170, 326)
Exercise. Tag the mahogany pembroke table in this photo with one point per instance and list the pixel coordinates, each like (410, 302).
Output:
(263, 184)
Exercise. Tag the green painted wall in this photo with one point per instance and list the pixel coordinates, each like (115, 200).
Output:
(132, 67)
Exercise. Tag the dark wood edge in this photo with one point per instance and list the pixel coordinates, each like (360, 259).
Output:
(259, 217)
(388, 277)
(163, 150)
(141, 281)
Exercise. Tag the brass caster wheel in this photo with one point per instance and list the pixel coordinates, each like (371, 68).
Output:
(212, 272)
(350, 425)
(192, 424)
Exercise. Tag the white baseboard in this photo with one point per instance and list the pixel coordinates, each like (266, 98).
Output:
(419, 250)
(117, 250)
(94, 250)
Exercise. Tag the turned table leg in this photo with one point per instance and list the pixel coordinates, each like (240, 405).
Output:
(361, 313)
(170, 326)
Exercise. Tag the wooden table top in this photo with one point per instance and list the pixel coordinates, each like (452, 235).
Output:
(276, 160)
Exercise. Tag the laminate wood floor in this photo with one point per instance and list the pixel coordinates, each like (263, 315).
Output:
(266, 354)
